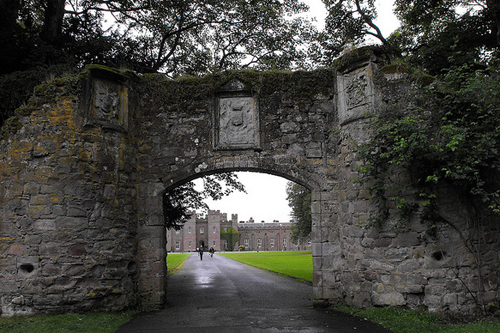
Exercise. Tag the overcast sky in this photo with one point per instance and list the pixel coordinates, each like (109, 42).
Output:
(266, 198)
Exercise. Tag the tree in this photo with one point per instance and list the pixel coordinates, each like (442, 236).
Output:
(181, 201)
(439, 34)
(349, 22)
(299, 199)
(170, 36)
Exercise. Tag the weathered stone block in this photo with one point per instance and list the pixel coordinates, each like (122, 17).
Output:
(388, 299)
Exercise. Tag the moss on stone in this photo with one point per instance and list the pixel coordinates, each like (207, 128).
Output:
(395, 69)
(11, 126)
(109, 73)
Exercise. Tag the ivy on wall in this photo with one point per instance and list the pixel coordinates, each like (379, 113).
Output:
(231, 236)
(447, 132)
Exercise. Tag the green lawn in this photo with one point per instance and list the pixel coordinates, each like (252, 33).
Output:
(175, 261)
(74, 323)
(288, 263)
(407, 321)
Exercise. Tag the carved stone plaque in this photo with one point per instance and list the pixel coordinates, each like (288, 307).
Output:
(356, 94)
(237, 123)
(107, 104)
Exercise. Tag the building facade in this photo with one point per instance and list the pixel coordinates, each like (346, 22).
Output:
(224, 234)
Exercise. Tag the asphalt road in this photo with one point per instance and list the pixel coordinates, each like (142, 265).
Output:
(221, 295)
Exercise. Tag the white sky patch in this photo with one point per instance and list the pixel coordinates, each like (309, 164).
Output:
(386, 21)
(265, 201)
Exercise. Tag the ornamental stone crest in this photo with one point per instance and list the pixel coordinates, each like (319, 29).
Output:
(107, 101)
(236, 119)
(356, 94)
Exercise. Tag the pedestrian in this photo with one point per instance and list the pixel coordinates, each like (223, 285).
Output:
(201, 252)
(211, 251)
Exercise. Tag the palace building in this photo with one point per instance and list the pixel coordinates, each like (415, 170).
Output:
(216, 230)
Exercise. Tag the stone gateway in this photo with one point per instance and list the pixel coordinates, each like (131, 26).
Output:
(85, 166)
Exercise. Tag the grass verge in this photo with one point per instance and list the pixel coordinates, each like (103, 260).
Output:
(74, 323)
(296, 264)
(175, 262)
(401, 320)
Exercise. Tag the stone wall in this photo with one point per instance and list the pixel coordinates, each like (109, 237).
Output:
(67, 217)
(84, 168)
(442, 265)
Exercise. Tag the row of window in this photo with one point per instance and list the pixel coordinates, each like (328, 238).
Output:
(259, 242)
(202, 230)
(247, 243)
(178, 245)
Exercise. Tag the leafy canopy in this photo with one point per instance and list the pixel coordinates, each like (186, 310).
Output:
(440, 34)
(44, 38)
(171, 36)
(348, 23)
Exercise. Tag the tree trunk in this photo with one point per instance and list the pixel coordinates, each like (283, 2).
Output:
(54, 14)
(9, 39)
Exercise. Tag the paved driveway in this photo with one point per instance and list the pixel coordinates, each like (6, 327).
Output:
(221, 295)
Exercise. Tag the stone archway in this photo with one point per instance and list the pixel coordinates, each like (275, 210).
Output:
(243, 123)
(84, 166)
(152, 252)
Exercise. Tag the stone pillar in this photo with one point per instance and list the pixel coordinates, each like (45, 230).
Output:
(357, 102)
(326, 251)
(151, 251)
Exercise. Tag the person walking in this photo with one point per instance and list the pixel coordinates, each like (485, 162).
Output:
(201, 252)
(211, 251)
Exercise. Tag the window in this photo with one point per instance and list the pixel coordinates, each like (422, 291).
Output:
(225, 244)
(214, 229)
(246, 242)
(259, 242)
(202, 230)
(213, 243)
(225, 229)
(272, 242)
(189, 244)
(189, 229)
(177, 232)
(177, 245)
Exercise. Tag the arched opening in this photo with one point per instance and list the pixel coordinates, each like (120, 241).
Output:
(152, 249)
(261, 219)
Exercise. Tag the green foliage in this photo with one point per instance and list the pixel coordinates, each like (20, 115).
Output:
(231, 236)
(173, 37)
(148, 36)
(179, 202)
(296, 264)
(440, 34)
(17, 87)
(449, 133)
(175, 261)
(299, 199)
(401, 320)
(84, 323)
(348, 24)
